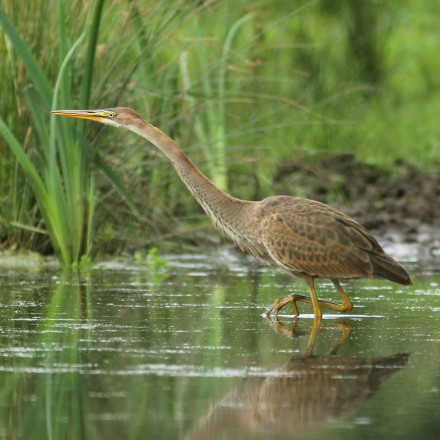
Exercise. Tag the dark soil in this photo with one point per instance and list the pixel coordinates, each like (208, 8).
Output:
(404, 203)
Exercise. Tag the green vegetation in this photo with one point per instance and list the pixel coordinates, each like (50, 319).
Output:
(61, 183)
(241, 86)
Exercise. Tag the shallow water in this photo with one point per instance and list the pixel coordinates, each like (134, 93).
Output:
(128, 351)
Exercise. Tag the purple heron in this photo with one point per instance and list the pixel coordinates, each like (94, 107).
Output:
(307, 238)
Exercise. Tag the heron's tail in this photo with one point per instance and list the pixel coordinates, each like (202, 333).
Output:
(385, 267)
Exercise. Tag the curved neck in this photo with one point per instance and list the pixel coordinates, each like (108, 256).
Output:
(220, 207)
(235, 218)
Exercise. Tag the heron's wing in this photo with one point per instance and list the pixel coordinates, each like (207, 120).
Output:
(317, 240)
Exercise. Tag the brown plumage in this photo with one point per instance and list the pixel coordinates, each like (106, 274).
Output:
(313, 239)
(308, 238)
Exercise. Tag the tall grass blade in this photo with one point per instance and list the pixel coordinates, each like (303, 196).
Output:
(26, 56)
(210, 127)
(220, 127)
(67, 180)
(22, 158)
(90, 55)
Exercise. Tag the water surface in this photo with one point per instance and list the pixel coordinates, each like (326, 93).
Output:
(127, 351)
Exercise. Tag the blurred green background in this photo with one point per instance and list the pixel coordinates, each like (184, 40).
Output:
(242, 86)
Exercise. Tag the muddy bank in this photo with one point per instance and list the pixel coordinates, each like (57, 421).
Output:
(400, 205)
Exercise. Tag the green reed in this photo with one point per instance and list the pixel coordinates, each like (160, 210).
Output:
(60, 177)
(210, 125)
(241, 86)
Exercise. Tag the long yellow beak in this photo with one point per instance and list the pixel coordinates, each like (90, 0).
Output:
(92, 115)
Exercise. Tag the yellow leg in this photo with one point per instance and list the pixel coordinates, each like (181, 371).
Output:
(315, 302)
(346, 305)
(279, 303)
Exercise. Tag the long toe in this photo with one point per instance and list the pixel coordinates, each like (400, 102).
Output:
(279, 303)
(273, 307)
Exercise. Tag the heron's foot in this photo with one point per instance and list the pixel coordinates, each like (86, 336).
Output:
(279, 303)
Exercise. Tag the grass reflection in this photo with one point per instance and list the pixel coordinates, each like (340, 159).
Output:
(53, 359)
(62, 393)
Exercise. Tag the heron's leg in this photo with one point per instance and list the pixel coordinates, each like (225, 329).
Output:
(279, 303)
(315, 302)
(346, 305)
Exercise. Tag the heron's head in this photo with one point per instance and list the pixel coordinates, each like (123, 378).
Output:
(116, 117)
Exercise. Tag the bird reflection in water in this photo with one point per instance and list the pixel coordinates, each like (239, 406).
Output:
(303, 395)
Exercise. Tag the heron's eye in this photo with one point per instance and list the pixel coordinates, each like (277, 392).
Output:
(109, 114)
